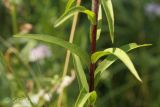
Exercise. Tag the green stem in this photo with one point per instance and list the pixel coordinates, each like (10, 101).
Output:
(14, 19)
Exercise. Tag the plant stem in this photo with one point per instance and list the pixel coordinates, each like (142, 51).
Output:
(14, 19)
(74, 24)
(95, 6)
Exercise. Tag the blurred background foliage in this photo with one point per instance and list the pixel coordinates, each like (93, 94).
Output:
(22, 75)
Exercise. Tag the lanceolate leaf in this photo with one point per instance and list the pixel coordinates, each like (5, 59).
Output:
(80, 73)
(93, 98)
(84, 97)
(80, 96)
(60, 42)
(121, 55)
(112, 58)
(99, 22)
(69, 4)
(107, 5)
(74, 10)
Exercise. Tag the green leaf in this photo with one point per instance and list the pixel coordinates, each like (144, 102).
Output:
(60, 42)
(82, 93)
(99, 22)
(80, 73)
(121, 55)
(108, 8)
(93, 98)
(74, 10)
(69, 4)
(84, 97)
(111, 59)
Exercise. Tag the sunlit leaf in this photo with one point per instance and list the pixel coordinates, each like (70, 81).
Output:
(112, 58)
(99, 22)
(82, 93)
(84, 97)
(74, 10)
(121, 55)
(69, 4)
(60, 42)
(80, 73)
(108, 8)
(93, 98)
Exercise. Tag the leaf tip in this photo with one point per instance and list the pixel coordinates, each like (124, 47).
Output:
(112, 40)
(140, 80)
(55, 25)
(148, 44)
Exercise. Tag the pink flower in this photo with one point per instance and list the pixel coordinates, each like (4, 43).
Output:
(38, 53)
(153, 9)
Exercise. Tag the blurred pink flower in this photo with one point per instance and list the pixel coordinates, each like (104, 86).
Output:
(153, 9)
(38, 53)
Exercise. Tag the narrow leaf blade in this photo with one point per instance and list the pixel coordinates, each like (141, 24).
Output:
(60, 42)
(108, 8)
(80, 73)
(111, 59)
(99, 22)
(121, 55)
(84, 97)
(74, 10)
(69, 4)
(80, 96)
(93, 98)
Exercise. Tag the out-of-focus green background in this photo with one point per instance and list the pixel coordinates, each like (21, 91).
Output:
(135, 21)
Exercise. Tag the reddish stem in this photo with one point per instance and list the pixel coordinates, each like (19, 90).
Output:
(95, 8)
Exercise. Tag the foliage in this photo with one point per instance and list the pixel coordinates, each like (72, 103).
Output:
(131, 24)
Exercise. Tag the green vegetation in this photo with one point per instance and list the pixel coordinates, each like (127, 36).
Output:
(34, 39)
